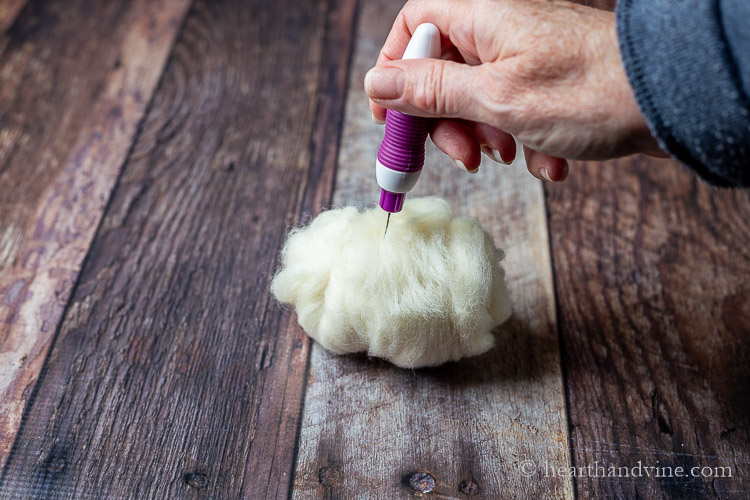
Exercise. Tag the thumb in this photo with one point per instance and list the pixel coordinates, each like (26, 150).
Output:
(428, 87)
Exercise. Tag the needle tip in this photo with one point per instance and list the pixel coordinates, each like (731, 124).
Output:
(387, 221)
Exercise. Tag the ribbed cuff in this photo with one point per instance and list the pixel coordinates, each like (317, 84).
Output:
(686, 85)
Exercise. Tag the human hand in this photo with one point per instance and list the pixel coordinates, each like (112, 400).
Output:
(547, 72)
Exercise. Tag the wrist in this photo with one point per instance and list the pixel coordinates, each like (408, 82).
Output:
(639, 138)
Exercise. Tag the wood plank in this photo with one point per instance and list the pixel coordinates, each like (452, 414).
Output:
(169, 376)
(369, 427)
(9, 10)
(69, 110)
(652, 270)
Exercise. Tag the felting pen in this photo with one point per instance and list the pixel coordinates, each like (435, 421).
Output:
(401, 154)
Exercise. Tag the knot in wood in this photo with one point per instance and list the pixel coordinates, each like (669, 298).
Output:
(469, 488)
(422, 482)
(328, 476)
(196, 480)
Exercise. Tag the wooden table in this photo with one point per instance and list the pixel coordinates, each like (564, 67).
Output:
(153, 155)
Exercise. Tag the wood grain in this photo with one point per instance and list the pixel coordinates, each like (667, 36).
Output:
(652, 270)
(369, 429)
(652, 273)
(173, 375)
(69, 110)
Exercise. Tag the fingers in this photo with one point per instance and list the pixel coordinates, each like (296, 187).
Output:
(545, 167)
(378, 113)
(496, 144)
(411, 15)
(463, 141)
(430, 87)
(450, 53)
(451, 23)
(657, 153)
(441, 13)
(453, 138)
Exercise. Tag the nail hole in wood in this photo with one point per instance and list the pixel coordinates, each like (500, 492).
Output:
(328, 476)
(56, 465)
(468, 488)
(196, 480)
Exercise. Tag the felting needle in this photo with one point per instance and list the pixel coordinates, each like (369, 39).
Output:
(387, 221)
(401, 154)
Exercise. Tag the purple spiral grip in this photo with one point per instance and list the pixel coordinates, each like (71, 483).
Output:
(402, 150)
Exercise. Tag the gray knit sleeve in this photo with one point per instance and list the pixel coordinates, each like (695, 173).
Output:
(688, 62)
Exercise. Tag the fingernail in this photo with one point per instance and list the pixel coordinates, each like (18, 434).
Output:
(377, 121)
(545, 173)
(494, 154)
(384, 83)
(461, 165)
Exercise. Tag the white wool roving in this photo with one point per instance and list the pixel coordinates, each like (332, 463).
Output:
(428, 292)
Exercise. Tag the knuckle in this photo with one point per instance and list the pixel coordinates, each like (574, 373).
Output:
(500, 94)
(534, 66)
(429, 91)
(548, 64)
